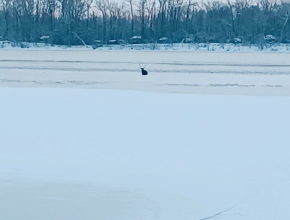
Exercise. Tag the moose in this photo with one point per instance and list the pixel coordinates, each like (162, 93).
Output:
(143, 71)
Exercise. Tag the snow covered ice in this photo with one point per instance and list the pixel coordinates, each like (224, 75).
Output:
(174, 72)
(115, 153)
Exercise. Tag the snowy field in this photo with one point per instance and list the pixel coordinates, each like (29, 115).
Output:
(173, 150)
(174, 72)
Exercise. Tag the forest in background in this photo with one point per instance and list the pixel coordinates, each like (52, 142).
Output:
(75, 22)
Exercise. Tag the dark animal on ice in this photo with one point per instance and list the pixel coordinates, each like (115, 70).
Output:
(143, 71)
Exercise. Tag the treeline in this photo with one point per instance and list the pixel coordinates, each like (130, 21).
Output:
(71, 22)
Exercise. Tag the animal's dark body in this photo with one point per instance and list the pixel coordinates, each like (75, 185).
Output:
(144, 72)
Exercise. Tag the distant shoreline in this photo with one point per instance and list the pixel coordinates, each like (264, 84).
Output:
(174, 47)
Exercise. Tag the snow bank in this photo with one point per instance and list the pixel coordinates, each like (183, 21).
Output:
(90, 154)
(190, 47)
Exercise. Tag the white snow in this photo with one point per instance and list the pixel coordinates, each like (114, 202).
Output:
(92, 154)
(127, 147)
(183, 47)
(174, 72)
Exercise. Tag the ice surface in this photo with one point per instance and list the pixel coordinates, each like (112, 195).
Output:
(173, 72)
(70, 154)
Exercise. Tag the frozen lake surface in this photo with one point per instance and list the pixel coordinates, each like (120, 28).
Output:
(174, 72)
(111, 154)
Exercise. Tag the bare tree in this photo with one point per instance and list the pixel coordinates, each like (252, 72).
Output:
(68, 21)
(6, 5)
(88, 8)
(103, 7)
(131, 3)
